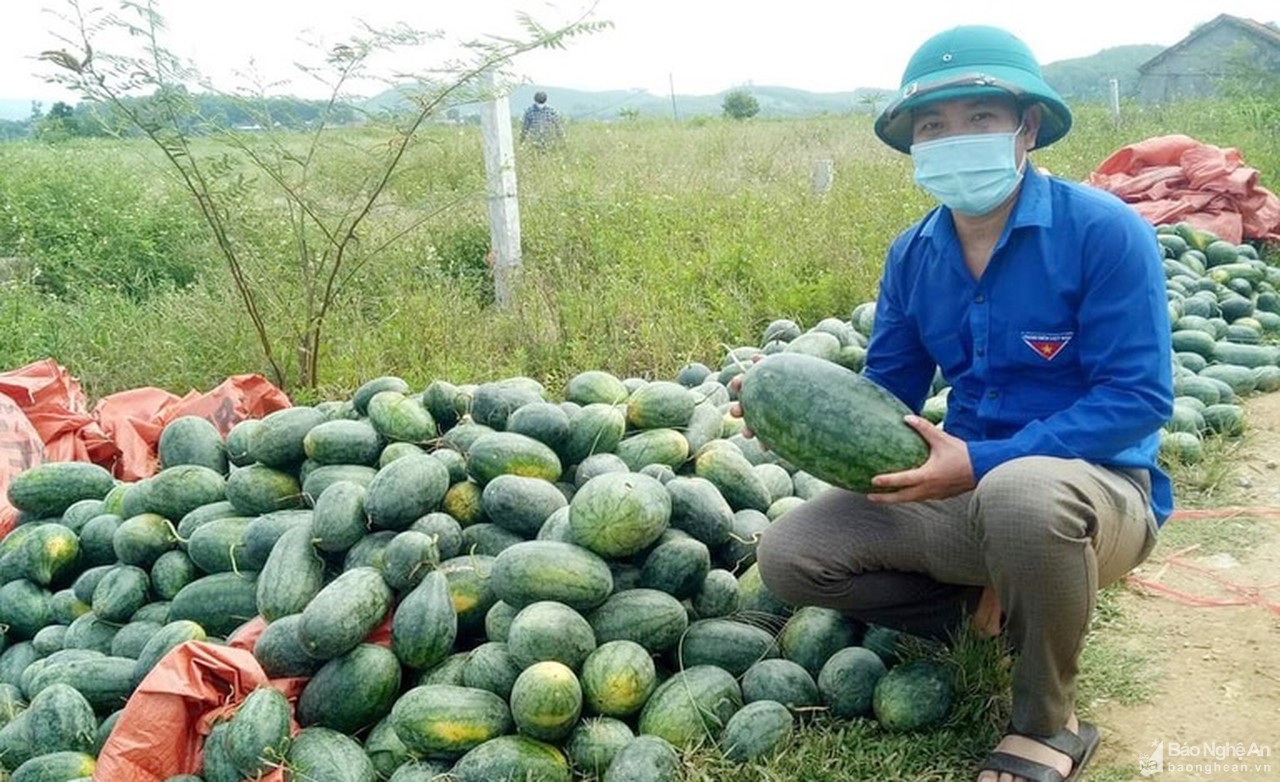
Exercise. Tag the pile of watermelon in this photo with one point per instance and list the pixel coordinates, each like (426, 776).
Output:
(1224, 304)
(481, 581)
(472, 579)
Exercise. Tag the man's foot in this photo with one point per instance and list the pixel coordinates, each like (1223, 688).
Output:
(1036, 752)
(987, 616)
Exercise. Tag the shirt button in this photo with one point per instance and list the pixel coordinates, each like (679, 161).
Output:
(979, 298)
(981, 351)
(993, 394)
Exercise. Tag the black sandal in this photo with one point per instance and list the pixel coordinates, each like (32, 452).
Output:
(1077, 746)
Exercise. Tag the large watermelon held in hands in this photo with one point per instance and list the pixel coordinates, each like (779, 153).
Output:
(829, 421)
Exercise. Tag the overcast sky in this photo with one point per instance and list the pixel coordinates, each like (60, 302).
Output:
(704, 45)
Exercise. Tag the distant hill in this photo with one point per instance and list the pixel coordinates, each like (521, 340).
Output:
(1079, 79)
(1082, 78)
(15, 108)
(610, 104)
(1089, 78)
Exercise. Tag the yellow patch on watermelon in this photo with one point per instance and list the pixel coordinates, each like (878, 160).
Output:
(462, 501)
(59, 549)
(459, 732)
(623, 689)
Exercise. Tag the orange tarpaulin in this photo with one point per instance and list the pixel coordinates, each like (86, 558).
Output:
(237, 398)
(1169, 179)
(54, 403)
(162, 728)
(122, 430)
(134, 419)
(20, 448)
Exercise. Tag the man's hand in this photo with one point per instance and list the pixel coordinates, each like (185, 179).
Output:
(735, 410)
(735, 386)
(946, 473)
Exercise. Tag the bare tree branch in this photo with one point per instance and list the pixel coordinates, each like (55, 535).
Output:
(148, 89)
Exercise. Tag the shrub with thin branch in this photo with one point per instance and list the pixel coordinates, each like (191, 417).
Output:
(266, 172)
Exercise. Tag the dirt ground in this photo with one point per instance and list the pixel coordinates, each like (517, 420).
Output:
(1215, 669)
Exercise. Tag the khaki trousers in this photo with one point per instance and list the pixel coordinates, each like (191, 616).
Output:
(1045, 532)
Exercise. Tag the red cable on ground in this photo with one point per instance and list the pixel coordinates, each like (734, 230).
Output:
(1224, 513)
(1249, 595)
(1186, 598)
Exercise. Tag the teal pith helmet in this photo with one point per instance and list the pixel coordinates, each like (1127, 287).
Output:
(971, 62)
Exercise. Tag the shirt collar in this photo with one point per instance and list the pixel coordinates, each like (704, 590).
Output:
(1033, 208)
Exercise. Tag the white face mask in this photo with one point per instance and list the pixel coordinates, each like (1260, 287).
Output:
(972, 174)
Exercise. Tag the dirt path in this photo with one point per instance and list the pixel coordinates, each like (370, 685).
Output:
(1216, 670)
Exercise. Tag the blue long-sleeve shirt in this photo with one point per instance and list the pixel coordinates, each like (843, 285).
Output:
(1061, 348)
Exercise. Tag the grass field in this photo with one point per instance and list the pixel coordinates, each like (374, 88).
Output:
(646, 245)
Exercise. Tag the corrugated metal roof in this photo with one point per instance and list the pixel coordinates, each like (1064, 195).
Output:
(1264, 32)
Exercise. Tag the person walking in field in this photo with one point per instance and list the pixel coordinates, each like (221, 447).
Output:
(1042, 301)
(542, 126)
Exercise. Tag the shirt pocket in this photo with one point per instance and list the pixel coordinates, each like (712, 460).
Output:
(1052, 349)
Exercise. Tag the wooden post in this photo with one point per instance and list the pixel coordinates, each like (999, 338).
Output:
(500, 179)
(1115, 100)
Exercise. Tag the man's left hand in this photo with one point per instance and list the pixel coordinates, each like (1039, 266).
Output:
(946, 473)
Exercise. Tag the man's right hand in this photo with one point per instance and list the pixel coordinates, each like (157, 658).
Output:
(735, 409)
(735, 388)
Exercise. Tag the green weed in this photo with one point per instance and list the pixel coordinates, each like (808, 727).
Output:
(646, 245)
(89, 216)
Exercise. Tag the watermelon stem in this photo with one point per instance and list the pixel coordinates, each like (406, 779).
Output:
(737, 362)
(174, 531)
(762, 619)
(689, 691)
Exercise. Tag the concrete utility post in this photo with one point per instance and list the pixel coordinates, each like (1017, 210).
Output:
(500, 176)
(824, 173)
